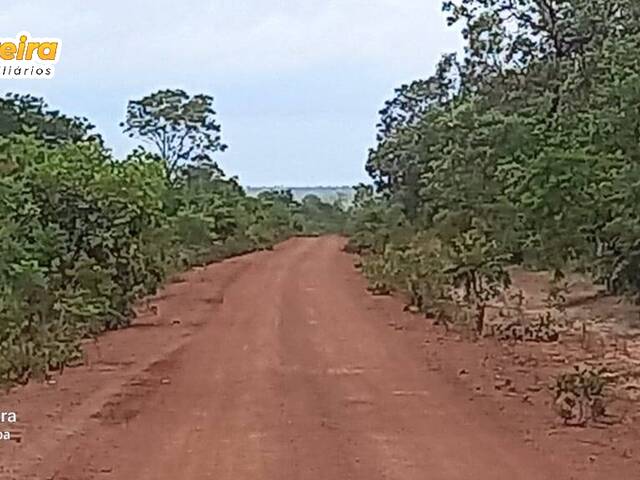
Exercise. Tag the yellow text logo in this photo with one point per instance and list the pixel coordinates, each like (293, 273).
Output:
(24, 56)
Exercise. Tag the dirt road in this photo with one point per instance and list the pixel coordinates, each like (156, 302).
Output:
(276, 365)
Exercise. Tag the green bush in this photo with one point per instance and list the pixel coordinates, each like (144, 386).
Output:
(83, 236)
(77, 247)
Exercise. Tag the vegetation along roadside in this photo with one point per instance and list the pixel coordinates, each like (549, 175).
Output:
(83, 235)
(520, 154)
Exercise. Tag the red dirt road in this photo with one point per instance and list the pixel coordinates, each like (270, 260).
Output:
(281, 367)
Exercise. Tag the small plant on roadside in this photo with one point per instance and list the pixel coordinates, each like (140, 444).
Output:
(579, 395)
(477, 266)
(416, 270)
(373, 268)
(557, 296)
(543, 329)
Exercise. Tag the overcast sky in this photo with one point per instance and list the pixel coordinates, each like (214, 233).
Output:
(297, 83)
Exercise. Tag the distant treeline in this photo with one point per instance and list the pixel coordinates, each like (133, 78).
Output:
(329, 194)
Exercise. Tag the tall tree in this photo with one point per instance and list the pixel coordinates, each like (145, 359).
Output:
(182, 128)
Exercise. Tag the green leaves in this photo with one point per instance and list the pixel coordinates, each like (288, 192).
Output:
(31, 115)
(83, 235)
(76, 223)
(477, 264)
(530, 141)
(182, 128)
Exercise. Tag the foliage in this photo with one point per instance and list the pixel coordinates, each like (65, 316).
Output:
(372, 222)
(183, 128)
(29, 114)
(418, 269)
(77, 246)
(374, 269)
(521, 150)
(579, 394)
(317, 217)
(84, 235)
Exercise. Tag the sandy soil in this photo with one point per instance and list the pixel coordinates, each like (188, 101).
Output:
(279, 365)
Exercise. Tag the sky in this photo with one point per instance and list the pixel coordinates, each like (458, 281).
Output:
(297, 83)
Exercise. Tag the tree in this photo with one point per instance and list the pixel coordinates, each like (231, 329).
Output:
(413, 100)
(30, 114)
(534, 131)
(182, 128)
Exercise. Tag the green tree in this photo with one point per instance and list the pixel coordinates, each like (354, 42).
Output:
(182, 128)
(26, 113)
